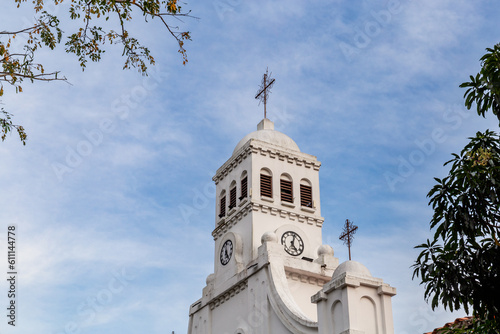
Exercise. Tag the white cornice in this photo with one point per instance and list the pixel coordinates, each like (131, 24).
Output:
(255, 146)
(306, 277)
(232, 163)
(283, 213)
(353, 280)
(228, 294)
(226, 223)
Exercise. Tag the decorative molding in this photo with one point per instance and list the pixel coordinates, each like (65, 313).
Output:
(273, 151)
(228, 294)
(232, 163)
(231, 220)
(255, 146)
(267, 199)
(353, 280)
(227, 222)
(290, 205)
(287, 214)
(386, 289)
(195, 307)
(307, 209)
(243, 201)
(310, 279)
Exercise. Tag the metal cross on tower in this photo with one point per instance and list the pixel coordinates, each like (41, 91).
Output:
(264, 90)
(348, 235)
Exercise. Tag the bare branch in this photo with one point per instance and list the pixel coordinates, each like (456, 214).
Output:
(38, 77)
(20, 31)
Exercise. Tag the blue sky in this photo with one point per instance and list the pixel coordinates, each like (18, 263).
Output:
(112, 195)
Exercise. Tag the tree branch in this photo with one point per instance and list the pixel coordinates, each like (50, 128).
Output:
(20, 31)
(39, 77)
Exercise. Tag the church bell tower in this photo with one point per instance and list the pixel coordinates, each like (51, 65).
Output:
(272, 274)
(267, 185)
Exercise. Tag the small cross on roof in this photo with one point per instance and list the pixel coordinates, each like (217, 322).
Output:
(348, 235)
(264, 89)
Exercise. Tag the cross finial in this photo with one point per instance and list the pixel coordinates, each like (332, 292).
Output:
(264, 90)
(348, 235)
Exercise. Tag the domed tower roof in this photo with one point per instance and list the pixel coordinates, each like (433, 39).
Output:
(351, 267)
(266, 133)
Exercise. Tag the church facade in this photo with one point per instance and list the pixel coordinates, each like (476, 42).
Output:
(272, 273)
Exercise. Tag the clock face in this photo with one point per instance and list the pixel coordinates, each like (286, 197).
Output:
(293, 243)
(226, 252)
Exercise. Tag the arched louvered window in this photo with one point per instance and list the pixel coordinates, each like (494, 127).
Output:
(232, 195)
(266, 183)
(305, 193)
(286, 188)
(222, 206)
(244, 185)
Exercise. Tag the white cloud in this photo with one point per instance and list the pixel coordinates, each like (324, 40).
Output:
(120, 207)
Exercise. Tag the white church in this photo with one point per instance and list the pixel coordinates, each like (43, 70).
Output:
(272, 273)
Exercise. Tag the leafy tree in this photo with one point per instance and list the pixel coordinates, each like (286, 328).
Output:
(6, 126)
(460, 267)
(484, 89)
(87, 41)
